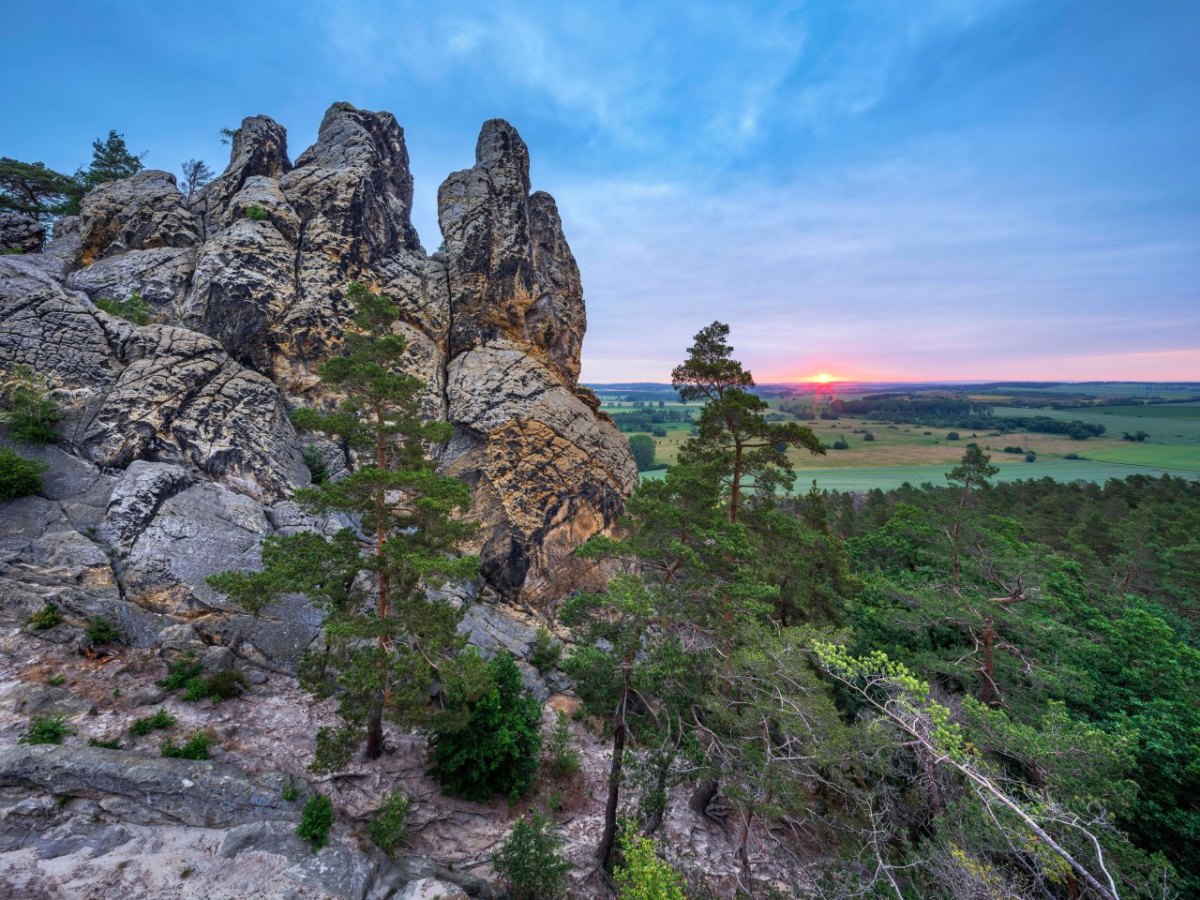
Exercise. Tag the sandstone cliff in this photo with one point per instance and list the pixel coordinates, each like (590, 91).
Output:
(247, 286)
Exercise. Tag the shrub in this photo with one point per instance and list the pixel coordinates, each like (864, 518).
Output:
(46, 730)
(217, 687)
(181, 672)
(868, 436)
(1030, 456)
(289, 793)
(562, 759)
(952, 436)
(147, 724)
(529, 860)
(58, 679)
(31, 413)
(101, 631)
(316, 821)
(546, 651)
(113, 744)
(195, 747)
(487, 740)
(256, 213)
(315, 462)
(642, 875)
(389, 824)
(19, 477)
(46, 618)
(132, 309)
(841, 444)
(1072, 456)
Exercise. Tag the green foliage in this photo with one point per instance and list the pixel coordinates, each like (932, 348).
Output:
(101, 630)
(113, 744)
(841, 444)
(289, 793)
(18, 477)
(315, 463)
(184, 670)
(58, 679)
(385, 638)
(529, 860)
(111, 161)
(256, 213)
(36, 190)
(133, 308)
(562, 759)
(642, 447)
(488, 738)
(160, 720)
(315, 821)
(546, 651)
(389, 823)
(49, 729)
(642, 875)
(195, 747)
(29, 413)
(952, 436)
(216, 687)
(45, 618)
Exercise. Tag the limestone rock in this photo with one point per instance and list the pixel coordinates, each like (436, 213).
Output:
(22, 233)
(431, 889)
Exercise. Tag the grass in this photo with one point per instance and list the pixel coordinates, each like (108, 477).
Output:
(161, 719)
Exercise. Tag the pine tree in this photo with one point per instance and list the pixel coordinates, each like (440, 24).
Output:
(384, 638)
(111, 161)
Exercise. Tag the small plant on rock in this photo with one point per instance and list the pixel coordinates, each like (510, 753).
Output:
(195, 747)
(546, 651)
(102, 631)
(643, 875)
(529, 860)
(46, 618)
(389, 824)
(112, 744)
(58, 679)
(146, 724)
(217, 687)
(28, 410)
(132, 309)
(46, 730)
(19, 477)
(256, 213)
(315, 821)
(182, 671)
(318, 470)
(562, 759)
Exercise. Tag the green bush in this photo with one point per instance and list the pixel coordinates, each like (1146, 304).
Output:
(868, 436)
(113, 744)
(316, 821)
(58, 679)
(562, 759)
(217, 687)
(19, 477)
(147, 724)
(45, 618)
(488, 739)
(315, 462)
(256, 213)
(841, 444)
(529, 860)
(132, 309)
(46, 730)
(642, 875)
(101, 631)
(642, 448)
(952, 436)
(184, 670)
(1030, 456)
(30, 414)
(195, 747)
(546, 651)
(389, 824)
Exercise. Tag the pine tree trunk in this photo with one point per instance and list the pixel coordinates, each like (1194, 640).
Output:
(375, 733)
(614, 789)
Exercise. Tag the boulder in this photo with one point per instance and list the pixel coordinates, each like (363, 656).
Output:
(20, 233)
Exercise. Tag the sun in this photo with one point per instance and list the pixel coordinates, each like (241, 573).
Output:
(823, 378)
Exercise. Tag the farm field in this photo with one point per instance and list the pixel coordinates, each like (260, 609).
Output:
(916, 454)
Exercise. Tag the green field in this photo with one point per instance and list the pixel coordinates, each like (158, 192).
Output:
(889, 477)
(917, 454)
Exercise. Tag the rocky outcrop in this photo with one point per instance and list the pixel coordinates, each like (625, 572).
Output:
(20, 233)
(247, 285)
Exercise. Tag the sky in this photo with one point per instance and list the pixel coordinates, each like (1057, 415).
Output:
(877, 189)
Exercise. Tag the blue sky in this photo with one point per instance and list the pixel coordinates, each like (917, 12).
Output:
(881, 189)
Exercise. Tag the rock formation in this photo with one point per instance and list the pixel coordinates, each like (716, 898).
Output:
(247, 284)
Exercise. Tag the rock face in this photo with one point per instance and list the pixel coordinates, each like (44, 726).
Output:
(20, 233)
(247, 286)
